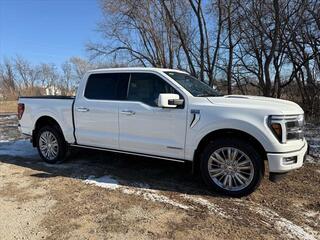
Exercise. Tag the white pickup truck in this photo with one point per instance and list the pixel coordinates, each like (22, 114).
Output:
(168, 114)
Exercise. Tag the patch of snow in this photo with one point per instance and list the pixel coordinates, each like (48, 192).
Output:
(213, 208)
(310, 213)
(8, 140)
(10, 125)
(104, 182)
(315, 145)
(285, 226)
(20, 148)
(312, 134)
(143, 190)
(311, 159)
(8, 117)
(156, 197)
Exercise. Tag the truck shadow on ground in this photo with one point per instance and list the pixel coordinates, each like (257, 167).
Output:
(129, 171)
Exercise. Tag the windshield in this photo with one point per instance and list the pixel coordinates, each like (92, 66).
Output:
(193, 85)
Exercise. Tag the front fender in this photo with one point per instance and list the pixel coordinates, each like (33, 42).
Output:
(254, 128)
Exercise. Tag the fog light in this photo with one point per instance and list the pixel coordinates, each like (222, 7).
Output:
(290, 160)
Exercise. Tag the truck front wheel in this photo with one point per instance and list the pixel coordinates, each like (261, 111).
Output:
(232, 167)
(51, 145)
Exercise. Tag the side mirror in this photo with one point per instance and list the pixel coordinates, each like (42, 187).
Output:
(169, 100)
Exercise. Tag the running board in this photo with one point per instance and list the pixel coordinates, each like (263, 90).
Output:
(130, 153)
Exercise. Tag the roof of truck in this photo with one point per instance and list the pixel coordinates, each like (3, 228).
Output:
(135, 69)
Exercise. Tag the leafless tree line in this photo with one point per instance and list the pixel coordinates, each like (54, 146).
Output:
(20, 77)
(266, 47)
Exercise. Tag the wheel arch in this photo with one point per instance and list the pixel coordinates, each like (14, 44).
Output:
(225, 133)
(44, 121)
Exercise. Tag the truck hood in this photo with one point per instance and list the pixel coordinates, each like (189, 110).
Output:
(271, 105)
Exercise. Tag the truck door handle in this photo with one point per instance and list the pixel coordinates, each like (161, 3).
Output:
(82, 109)
(128, 112)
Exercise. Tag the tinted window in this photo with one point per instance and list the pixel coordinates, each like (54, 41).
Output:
(107, 86)
(146, 87)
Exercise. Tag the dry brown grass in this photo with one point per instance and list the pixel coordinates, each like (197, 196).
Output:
(8, 106)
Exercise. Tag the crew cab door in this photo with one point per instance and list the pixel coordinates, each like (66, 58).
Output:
(147, 128)
(96, 110)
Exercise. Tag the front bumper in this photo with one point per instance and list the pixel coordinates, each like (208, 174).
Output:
(278, 165)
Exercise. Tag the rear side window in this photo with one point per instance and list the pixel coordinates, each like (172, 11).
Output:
(146, 87)
(107, 86)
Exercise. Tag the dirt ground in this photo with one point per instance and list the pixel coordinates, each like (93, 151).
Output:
(99, 195)
(8, 106)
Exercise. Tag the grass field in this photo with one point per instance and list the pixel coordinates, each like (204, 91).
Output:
(8, 106)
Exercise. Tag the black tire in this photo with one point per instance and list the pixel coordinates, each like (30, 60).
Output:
(62, 144)
(246, 148)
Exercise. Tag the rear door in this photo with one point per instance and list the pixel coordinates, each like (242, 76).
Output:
(147, 128)
(96, 111)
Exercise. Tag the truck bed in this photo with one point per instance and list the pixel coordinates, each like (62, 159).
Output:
(59, 108)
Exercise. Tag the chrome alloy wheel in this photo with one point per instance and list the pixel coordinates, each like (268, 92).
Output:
(48, 145)
(230, 168)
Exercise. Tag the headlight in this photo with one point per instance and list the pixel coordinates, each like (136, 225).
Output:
(288, 127)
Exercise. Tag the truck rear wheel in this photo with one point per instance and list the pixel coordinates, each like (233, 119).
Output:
(51, 145)
(232, 167)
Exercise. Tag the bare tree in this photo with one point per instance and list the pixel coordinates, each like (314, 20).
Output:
(162, 33)
(7, 79)
(245, 46)
(260, 36)
(79, 68)
(50, 79)
(67, 78)
(139, 29)
(303, 38)
(27, 73)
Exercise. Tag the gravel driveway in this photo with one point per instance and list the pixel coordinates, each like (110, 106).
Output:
(99, 195)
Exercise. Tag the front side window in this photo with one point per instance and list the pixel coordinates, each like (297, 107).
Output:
(107, 86)
(193, 85)
(146, 87)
